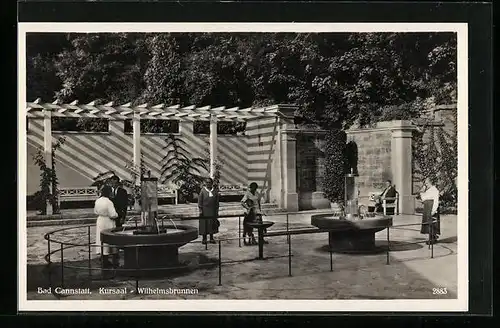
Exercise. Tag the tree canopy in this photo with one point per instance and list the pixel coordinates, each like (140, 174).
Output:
(336, 78)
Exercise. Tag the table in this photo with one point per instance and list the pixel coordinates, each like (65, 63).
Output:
(261, 226)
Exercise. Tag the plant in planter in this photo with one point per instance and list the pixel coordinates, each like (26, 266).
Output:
(48, 180)
(335, 164)
(182, 170)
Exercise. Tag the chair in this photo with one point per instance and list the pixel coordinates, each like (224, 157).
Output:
(391, 203)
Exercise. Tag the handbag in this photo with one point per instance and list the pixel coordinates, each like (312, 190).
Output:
(215, 224)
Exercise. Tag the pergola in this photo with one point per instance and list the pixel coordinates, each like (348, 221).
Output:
(39, 109)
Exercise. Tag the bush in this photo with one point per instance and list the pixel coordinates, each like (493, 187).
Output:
(335, 164)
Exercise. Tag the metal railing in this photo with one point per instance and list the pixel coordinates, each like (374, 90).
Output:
(288, 233)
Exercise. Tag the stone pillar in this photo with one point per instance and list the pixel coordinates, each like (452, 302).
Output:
(136, 144)
(401, 164)
(276, 175)
(47, 150)
(290, 199)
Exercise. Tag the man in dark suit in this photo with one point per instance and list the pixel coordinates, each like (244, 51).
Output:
(119, 197)
(389, 194)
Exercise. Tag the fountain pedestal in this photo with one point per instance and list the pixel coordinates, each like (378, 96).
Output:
(352, 241)
(149, 254)
(149, 260)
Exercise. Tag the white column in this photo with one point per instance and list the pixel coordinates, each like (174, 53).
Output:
(47, 149)
(213, 144)
(136, 141)
(401, 164)
(289, 169)
(276, 175)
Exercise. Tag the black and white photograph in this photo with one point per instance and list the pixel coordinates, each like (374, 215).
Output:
(243, 167)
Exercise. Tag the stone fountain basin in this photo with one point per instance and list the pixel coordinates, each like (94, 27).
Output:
(328, 221)
(177, 235)
(351, 235)
(148, 254)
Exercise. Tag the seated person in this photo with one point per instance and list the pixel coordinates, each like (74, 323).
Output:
(389, 192)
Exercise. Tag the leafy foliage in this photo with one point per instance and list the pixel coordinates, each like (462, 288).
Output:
(337, 78)
(179, 168)
(435, 154)
(48, 179)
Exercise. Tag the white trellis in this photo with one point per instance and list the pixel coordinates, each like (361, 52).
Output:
(39, 109)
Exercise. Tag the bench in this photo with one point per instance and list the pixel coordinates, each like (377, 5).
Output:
(165, 191)
(232, 190)
(81, 194)
(387, 203)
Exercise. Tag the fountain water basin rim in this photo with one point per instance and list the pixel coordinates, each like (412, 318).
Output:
(177, 235)
(326, 221)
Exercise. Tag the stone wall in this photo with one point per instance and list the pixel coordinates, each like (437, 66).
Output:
(374, 156)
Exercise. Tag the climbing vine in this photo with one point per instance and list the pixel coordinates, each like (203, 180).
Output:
(435, 154)
(335, 164)
(49, 191)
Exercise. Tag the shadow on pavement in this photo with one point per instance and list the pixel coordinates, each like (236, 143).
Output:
(76, 273)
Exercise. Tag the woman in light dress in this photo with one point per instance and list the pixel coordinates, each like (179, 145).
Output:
(430, 216)
(105, 211)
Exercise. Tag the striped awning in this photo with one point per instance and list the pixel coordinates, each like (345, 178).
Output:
(160, 111)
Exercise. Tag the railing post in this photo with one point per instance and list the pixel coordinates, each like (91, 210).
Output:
(431, 230)
(239, 231)
(136, 269)
(206, 225)
(62, 266)
(220, 265)
(288, 235)
(90, 255)
(331, 259)
(388, 244)
(49, 264)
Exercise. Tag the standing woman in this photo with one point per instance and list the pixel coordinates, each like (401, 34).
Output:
(105, 211)
(253, 211)
(430, 218)
(208, 205)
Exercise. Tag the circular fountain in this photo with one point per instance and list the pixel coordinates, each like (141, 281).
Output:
(149, 249)
(354, 235)
(159, 249)
(351, 230)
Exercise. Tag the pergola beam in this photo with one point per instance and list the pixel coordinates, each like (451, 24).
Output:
(159, 111)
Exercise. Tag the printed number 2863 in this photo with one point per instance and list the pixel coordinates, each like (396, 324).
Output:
(439, 291)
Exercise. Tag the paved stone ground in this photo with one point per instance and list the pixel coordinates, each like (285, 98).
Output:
(411, 273)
